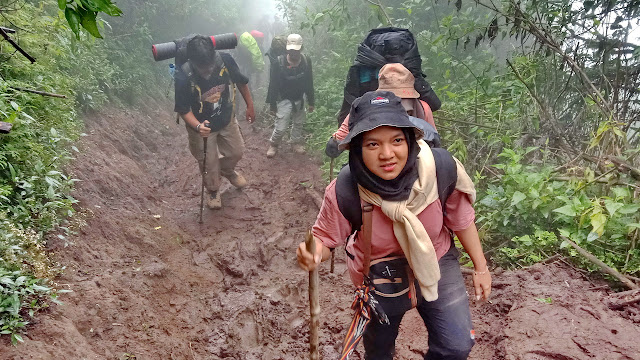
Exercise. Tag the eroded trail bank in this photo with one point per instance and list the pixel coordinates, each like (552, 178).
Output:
(151, 282)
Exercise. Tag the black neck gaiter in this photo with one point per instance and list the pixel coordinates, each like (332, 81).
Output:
(397, 189)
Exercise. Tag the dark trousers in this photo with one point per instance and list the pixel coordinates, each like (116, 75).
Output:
(448, 320)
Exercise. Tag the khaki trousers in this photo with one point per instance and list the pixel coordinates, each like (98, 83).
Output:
(286, 116)
(224, 150)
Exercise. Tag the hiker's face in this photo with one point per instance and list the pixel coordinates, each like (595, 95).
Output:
(408, 106)
(204, 70)
(385, 151)
(294, 54)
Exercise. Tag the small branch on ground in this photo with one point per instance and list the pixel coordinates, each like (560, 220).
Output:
(38, 92)
(604, 267)
(621, 304)
(625, 293)
(551, 259)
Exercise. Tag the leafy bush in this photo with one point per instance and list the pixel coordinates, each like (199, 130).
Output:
(20, 294)
(34, 190)
(527, 205)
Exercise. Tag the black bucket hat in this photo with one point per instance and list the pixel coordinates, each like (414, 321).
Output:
(375, 109)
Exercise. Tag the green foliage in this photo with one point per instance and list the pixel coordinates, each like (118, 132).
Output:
(85, 12)
(525, 99)
(522, 210)
(34, 188)
(21, 295)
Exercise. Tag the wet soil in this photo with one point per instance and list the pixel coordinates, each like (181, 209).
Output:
(150, 282)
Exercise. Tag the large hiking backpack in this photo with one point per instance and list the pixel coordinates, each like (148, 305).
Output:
(348, 196)
(380, 47)
(278, 47)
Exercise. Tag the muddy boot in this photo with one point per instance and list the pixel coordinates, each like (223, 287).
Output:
(272, 151)
(298, 149)
(214, 202)
(237, 180)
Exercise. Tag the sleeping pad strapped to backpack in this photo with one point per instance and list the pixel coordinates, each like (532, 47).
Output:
(380, 47)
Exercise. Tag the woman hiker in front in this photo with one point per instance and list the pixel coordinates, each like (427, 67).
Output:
(403, 255)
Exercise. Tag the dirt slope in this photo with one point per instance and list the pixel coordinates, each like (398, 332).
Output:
(149, 282)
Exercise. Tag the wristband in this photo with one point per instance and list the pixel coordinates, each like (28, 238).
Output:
(198, 127)
(481, 272)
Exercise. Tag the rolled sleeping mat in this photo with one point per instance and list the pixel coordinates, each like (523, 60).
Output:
(164, 51)
(169, 50)
(225, 41)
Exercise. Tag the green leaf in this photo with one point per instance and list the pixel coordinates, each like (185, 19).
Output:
(620, 192)
(88, 21)
(629, 209)
(62, 4)
(15, 338)
(612, 206)
(41, 288)
(633, 226)
(565, 232)
(592, 236)
(73, 18)
(90, 5)
(547, 300)
(517, 198)
(598, 220)
(566, 210)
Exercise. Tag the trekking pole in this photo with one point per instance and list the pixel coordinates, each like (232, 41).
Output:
(333, 253)
(314, 303)
(204, 172)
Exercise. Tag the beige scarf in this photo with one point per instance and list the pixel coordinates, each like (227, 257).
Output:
(409, 230)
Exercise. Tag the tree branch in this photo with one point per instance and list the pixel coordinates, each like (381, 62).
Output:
(384, 12)
(604, 267)
(6, 37)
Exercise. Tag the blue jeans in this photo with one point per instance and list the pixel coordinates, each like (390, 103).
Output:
(448, 320)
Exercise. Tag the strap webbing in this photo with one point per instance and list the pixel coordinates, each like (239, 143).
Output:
(367, 228)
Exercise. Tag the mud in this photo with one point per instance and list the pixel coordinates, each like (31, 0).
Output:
(149, 282)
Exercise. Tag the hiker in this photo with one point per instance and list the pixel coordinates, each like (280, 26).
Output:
(203, 98)
(408, 219)
(382, 46)
(291, 77)
(398, 79)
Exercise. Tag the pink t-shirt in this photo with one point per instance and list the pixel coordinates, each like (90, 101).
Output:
(332, 228)
(343, 131)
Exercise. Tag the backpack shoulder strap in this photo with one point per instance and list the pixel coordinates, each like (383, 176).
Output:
(348, 198)
(282, 60)
(446, 174)
(187, 70)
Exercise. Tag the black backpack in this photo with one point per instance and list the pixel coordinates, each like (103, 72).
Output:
(348, 196)
(380, 47)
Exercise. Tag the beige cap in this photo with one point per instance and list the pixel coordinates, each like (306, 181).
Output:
(398, 79)
(294, 42)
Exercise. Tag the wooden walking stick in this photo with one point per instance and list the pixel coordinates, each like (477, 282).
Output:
(314, 303)
(204, 173)
(333, 253)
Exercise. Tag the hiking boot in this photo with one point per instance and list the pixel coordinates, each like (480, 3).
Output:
(298, 149)
(237, 180)
(272, 151)
(214, 202)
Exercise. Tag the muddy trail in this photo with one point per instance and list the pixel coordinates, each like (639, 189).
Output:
(149, 282)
